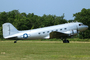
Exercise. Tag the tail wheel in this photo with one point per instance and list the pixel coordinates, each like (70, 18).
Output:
(65, 41)
(15, 41)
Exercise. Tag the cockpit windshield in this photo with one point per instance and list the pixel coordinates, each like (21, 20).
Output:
(81, 24)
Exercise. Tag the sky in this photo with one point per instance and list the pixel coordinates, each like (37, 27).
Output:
(41, 7)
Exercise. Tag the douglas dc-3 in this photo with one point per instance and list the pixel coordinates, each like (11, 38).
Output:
(61, 31)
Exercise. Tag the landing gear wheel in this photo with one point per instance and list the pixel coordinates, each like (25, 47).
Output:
(15, 41)
(65, 41)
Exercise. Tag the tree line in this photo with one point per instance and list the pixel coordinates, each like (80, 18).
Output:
(23, 21)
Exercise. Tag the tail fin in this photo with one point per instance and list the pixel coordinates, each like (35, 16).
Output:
(8, 29)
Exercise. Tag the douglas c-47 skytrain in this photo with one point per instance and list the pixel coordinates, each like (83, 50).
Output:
(61, 31)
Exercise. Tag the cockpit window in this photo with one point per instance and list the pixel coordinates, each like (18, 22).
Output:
(80, 24)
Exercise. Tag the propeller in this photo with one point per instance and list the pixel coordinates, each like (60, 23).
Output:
(77, 30)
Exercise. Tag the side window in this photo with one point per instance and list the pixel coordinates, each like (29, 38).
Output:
(43, 32)
(47, 31)
(56, 29)
(39, 33)
(60, 29)
(65, 28)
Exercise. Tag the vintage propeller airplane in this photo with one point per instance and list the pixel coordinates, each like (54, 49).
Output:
(61, 31)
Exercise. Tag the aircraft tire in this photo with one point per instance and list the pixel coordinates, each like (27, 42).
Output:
(15, 41)
(65, 41)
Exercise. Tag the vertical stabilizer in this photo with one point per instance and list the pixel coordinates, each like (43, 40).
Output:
(8, 29)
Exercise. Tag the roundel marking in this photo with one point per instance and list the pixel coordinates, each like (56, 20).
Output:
(25, 35)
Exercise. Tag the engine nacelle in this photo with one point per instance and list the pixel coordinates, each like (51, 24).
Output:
(72, 32)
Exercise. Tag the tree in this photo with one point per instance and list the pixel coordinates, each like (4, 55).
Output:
(3, 18)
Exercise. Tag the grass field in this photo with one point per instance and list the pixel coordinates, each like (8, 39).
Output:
(44, 50)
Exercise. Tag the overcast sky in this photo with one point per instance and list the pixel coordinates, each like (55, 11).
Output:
(40, 7)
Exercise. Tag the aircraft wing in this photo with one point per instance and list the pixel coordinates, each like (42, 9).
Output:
(58, 35)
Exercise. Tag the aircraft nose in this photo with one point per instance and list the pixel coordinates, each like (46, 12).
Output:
(82, 28)
(86, 26)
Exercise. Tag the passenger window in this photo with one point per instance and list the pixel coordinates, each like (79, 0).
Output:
(43, 32)
(38, 33)
(57, 30)
(47, 31)
(60, 29)
(65, 28)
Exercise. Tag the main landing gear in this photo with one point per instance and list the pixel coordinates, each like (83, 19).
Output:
(65, 41)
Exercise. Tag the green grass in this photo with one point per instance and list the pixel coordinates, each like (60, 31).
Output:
(44, 50)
